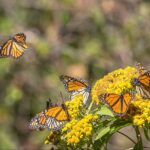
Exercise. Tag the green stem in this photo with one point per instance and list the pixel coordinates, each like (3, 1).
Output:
(89, 108)
(106, 146)
(127, 137)
(138, 135)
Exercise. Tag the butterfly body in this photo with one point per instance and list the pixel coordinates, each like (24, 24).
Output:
(76, 86)
(118, 103)
(14, 47)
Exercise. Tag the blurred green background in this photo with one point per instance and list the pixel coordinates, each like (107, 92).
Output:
(81, 38)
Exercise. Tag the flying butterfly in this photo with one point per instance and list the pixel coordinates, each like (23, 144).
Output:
(118, 103)
(142, 82)
(53, 118)
(14, 47)
(76, 86)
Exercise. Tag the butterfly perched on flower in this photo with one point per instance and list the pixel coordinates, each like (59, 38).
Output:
(76, 86)
(52, 118)
(14, 47)
(142, 82)
(118, 103)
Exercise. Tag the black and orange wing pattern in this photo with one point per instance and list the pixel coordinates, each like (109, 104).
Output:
(76, 86)
(38, 122)
(117, 103)
(14, 47)
(60, 113)
(56, 117)
(142, 84)
(53, 118)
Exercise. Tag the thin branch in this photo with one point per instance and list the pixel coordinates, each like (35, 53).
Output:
(127, 137)
(89, 108)
(138, 135)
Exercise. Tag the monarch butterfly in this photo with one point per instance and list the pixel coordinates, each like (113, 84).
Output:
(76, 86)
(14, 47)
(52, 118)
(118, 103)
(142, 83)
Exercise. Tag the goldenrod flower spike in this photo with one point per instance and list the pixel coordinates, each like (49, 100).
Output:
(143, 115)
(114, 82)
(77, 130)
(74, 106)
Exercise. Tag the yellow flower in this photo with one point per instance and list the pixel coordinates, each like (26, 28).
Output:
(74, 106)
(114, 82)
(143, 115)
(79, 129)
(119, 81)
(46, 142)
(138, 120)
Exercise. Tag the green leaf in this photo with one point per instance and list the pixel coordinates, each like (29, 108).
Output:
(105, 111)
(105, 135)
(102, 132)
(147, 131)
(138, 146)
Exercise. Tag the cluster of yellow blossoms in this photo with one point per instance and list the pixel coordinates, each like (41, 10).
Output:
(114, 82)
(76, 130)
(143, 114)
(119, 81)
(74, 106)
(80, 127)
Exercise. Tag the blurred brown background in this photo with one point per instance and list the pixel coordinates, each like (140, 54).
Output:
(81, 38)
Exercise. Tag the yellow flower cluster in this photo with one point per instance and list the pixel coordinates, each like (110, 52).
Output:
(76, 130)
(143, 114)
(114, 82)
(74, 106)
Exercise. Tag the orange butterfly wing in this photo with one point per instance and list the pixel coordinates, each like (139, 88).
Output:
(143, 85)
(5, 50)
(56, 117)
(14, 47)
(72, 84)
(58, 113)
(75, 85)
(38, 122)
(145, 79)
(52, 112)
(17, 51)
(127, 97)
(118, 103)
(113, 102)
(42, 120)
(62, 116)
